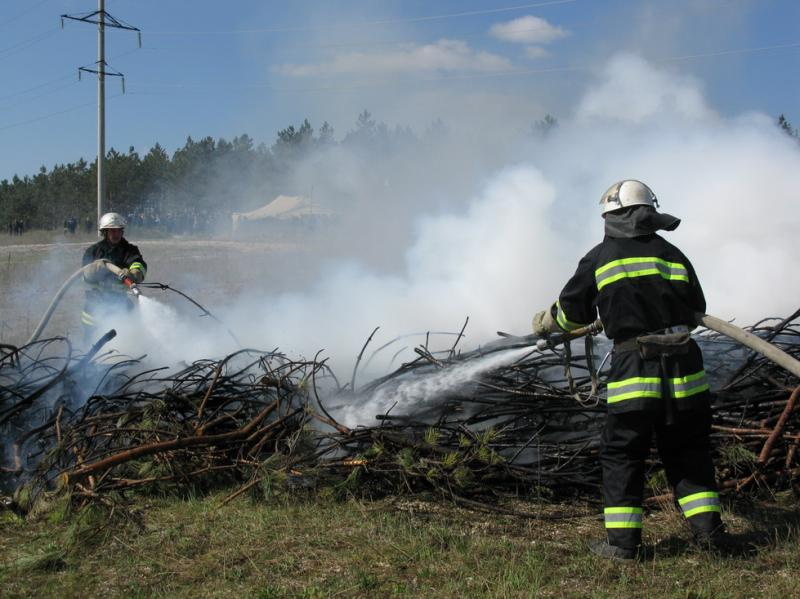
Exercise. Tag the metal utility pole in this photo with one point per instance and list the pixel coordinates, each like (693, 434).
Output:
(103, 20)
(101, 108)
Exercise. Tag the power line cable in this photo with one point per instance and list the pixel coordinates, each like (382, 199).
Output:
(52, 114)
(28, 42)
(733, 52)
(370, 23)
(22, 14)
(492, 74)
(328, 88)
(363, 43)
(47, 93)
(35, 87)
(57, 80)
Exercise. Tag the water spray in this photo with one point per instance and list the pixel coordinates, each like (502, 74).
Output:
(134, 290)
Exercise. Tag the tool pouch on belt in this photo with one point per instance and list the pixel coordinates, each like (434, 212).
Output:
(652, 347)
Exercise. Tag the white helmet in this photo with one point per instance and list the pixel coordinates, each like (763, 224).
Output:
(629, 192)
(111, 220)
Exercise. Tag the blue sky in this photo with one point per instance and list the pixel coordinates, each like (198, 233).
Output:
(226, 68)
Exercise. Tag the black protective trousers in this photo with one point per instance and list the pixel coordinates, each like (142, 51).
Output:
(685, 451)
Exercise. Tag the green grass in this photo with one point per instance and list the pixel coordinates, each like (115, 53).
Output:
(404, 548)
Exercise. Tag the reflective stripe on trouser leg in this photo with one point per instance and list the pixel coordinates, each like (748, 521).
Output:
(623, 517)
(699, 503)
(87, 319)
(625, 444)
(689, 385)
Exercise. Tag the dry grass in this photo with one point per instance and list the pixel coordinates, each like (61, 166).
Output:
(320, 548)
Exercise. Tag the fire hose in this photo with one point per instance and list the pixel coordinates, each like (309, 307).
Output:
(766, 349)
(129, 282)
(753, 342)
(66, 285)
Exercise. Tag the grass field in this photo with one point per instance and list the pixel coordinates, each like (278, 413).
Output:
(301, 546)
(389, 548)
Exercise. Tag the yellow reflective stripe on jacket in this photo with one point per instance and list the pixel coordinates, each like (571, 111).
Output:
(634, 387)
(699, 503)
(138, 266)
(623, 517)
(639, 267)
(689, 385)
(564, 322)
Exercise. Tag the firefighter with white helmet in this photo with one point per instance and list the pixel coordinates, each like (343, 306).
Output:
(106, 292)
(646, 292)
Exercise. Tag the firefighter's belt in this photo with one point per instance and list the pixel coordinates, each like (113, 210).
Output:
(654, 346)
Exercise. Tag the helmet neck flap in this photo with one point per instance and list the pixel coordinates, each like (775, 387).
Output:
(636, 221)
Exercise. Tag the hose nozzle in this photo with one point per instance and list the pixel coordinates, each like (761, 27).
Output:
(128, 281)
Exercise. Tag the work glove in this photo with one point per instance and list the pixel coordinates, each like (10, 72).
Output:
(94, 271)
(137, 275)
(544, 323)
(134, 275)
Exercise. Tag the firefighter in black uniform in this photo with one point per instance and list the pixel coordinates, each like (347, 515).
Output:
(646, 292)
(106, 293)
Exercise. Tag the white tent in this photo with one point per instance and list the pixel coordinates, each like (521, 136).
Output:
(282, 208)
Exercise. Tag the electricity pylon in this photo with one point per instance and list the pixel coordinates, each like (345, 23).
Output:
(102, 19)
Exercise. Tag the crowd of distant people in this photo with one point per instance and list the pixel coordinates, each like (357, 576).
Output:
(17, 227)
(71, 225)
(183, 222)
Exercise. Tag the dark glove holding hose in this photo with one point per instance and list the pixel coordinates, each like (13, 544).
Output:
(132, 276)
(137, 275)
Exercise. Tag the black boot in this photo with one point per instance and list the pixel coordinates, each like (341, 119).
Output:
(602, 548)
(716, 541)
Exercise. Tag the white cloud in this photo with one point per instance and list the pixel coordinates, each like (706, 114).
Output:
(442, 56)
(633, 91)
(536, 52)
(528, 30)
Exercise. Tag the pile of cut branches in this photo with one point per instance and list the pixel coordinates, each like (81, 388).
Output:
(210, 424)
(505, 419)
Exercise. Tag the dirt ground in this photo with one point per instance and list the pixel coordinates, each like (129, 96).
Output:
(212, 271)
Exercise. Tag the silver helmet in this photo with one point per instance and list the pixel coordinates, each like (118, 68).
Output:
(629, 192)
(111, 220)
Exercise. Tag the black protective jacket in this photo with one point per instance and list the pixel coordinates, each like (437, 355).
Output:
(639, 285)
(108, 289)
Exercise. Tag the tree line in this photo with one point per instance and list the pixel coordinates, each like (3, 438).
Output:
(202, 181)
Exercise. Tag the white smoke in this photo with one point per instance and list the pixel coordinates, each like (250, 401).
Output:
(164, 336)
(505, 250)
(509, 251)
